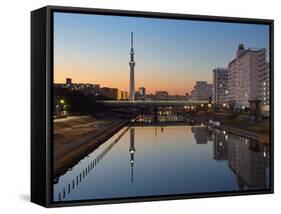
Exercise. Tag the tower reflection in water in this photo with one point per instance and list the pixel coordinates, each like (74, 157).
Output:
(247, 159)
(132, 151)
(241, 163)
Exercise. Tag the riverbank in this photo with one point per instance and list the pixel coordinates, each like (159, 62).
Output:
(239, 124)
(76, 137)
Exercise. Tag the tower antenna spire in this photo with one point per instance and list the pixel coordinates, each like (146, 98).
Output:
(132, 40)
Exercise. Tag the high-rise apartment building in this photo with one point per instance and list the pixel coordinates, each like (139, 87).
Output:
(244, 76)
(220, 90)
(264, 87)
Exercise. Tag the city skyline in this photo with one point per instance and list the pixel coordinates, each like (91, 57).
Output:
(105, 62)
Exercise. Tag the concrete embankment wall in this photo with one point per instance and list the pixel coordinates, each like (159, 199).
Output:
(237, 131)
(245, 133)
(64, 161)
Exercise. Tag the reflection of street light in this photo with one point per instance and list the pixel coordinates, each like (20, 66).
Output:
(209, 105)
(61, 101)
(202, 105)
(224, 105)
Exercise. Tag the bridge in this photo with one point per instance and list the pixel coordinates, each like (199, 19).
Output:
(151, 104)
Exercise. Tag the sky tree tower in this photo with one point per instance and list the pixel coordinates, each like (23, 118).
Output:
(132, 70)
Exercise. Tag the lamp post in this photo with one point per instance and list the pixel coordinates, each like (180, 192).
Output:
(61, 108)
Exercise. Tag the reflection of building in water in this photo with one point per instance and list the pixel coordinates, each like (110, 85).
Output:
(132, 151)
(248, 160)
(159, 118)
(201, 134)
(220, 138)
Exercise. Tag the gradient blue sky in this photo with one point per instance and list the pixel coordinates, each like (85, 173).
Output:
(170, 54)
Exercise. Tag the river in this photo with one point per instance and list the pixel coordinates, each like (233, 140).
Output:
(163, 159)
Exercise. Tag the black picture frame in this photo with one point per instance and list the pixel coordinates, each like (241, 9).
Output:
(41, 102)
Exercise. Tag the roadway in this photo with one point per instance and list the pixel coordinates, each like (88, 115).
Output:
(147, 104)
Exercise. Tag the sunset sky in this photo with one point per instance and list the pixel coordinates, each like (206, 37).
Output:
(170, 55)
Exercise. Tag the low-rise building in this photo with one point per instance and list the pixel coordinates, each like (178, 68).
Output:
(109, 93)
(202, 91)
(161, 95)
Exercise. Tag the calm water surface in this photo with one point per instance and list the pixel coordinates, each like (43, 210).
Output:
(150, 160)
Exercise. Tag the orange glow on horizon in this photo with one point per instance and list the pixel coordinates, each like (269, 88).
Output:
(108, 78)
(124, 86)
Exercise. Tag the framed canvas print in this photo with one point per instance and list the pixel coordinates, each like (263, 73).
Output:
(134, 106)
